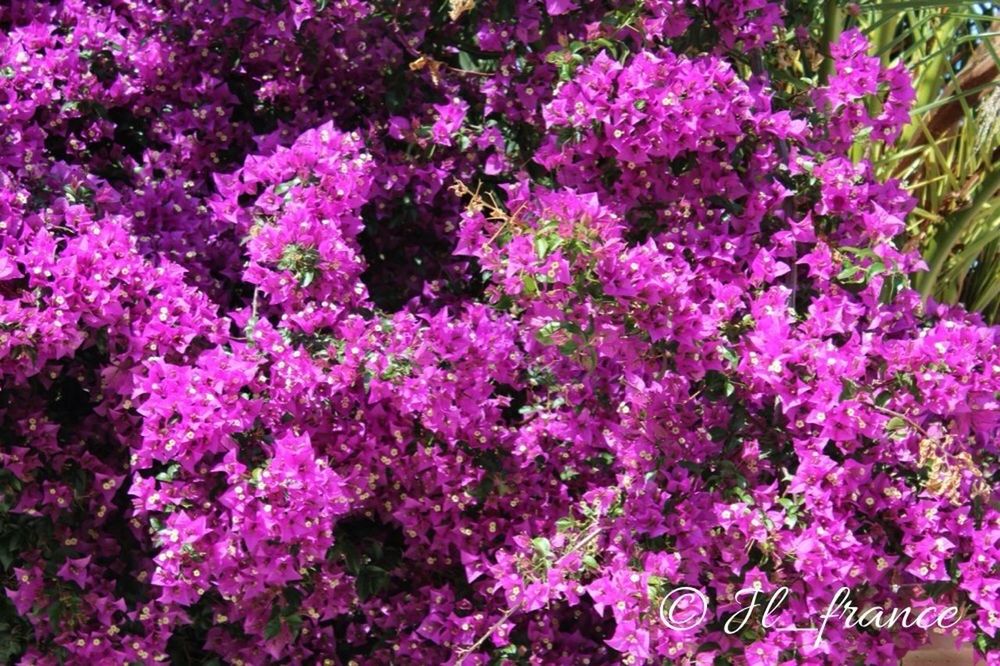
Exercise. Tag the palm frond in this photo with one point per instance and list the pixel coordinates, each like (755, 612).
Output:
(948, 157)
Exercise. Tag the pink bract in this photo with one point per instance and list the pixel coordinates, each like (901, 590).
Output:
(352, 332)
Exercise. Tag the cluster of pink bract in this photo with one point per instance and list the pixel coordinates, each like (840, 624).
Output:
(353, 332)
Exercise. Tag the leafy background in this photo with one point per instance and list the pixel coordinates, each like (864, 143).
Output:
(948, 155)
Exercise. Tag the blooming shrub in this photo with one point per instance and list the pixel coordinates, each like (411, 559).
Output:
(363, 332)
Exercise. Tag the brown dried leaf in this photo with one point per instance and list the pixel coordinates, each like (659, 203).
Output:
(459, 7)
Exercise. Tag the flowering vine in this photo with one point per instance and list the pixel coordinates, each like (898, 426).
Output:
(356, 332)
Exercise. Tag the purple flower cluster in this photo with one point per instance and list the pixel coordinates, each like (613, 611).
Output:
(364, 332)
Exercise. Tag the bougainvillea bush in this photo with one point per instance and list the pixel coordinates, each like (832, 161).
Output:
(353, 332)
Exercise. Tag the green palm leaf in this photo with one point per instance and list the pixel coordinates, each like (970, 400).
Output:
(947, 157)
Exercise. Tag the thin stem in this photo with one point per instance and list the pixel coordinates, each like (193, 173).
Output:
(891, 412)
(466, 651)
(252, 323)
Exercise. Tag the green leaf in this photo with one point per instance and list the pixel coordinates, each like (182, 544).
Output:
(542, 546)
(849, 389)
(896, 427)
(273, 626)
(569, 347)
(545, 333)
(541, 246)
(170, 473)
(530, 284)
(282, 188)
(465, 62)
(729, 355)
(565, 524)
(294, 622)
(848, 273)
(371, 581)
